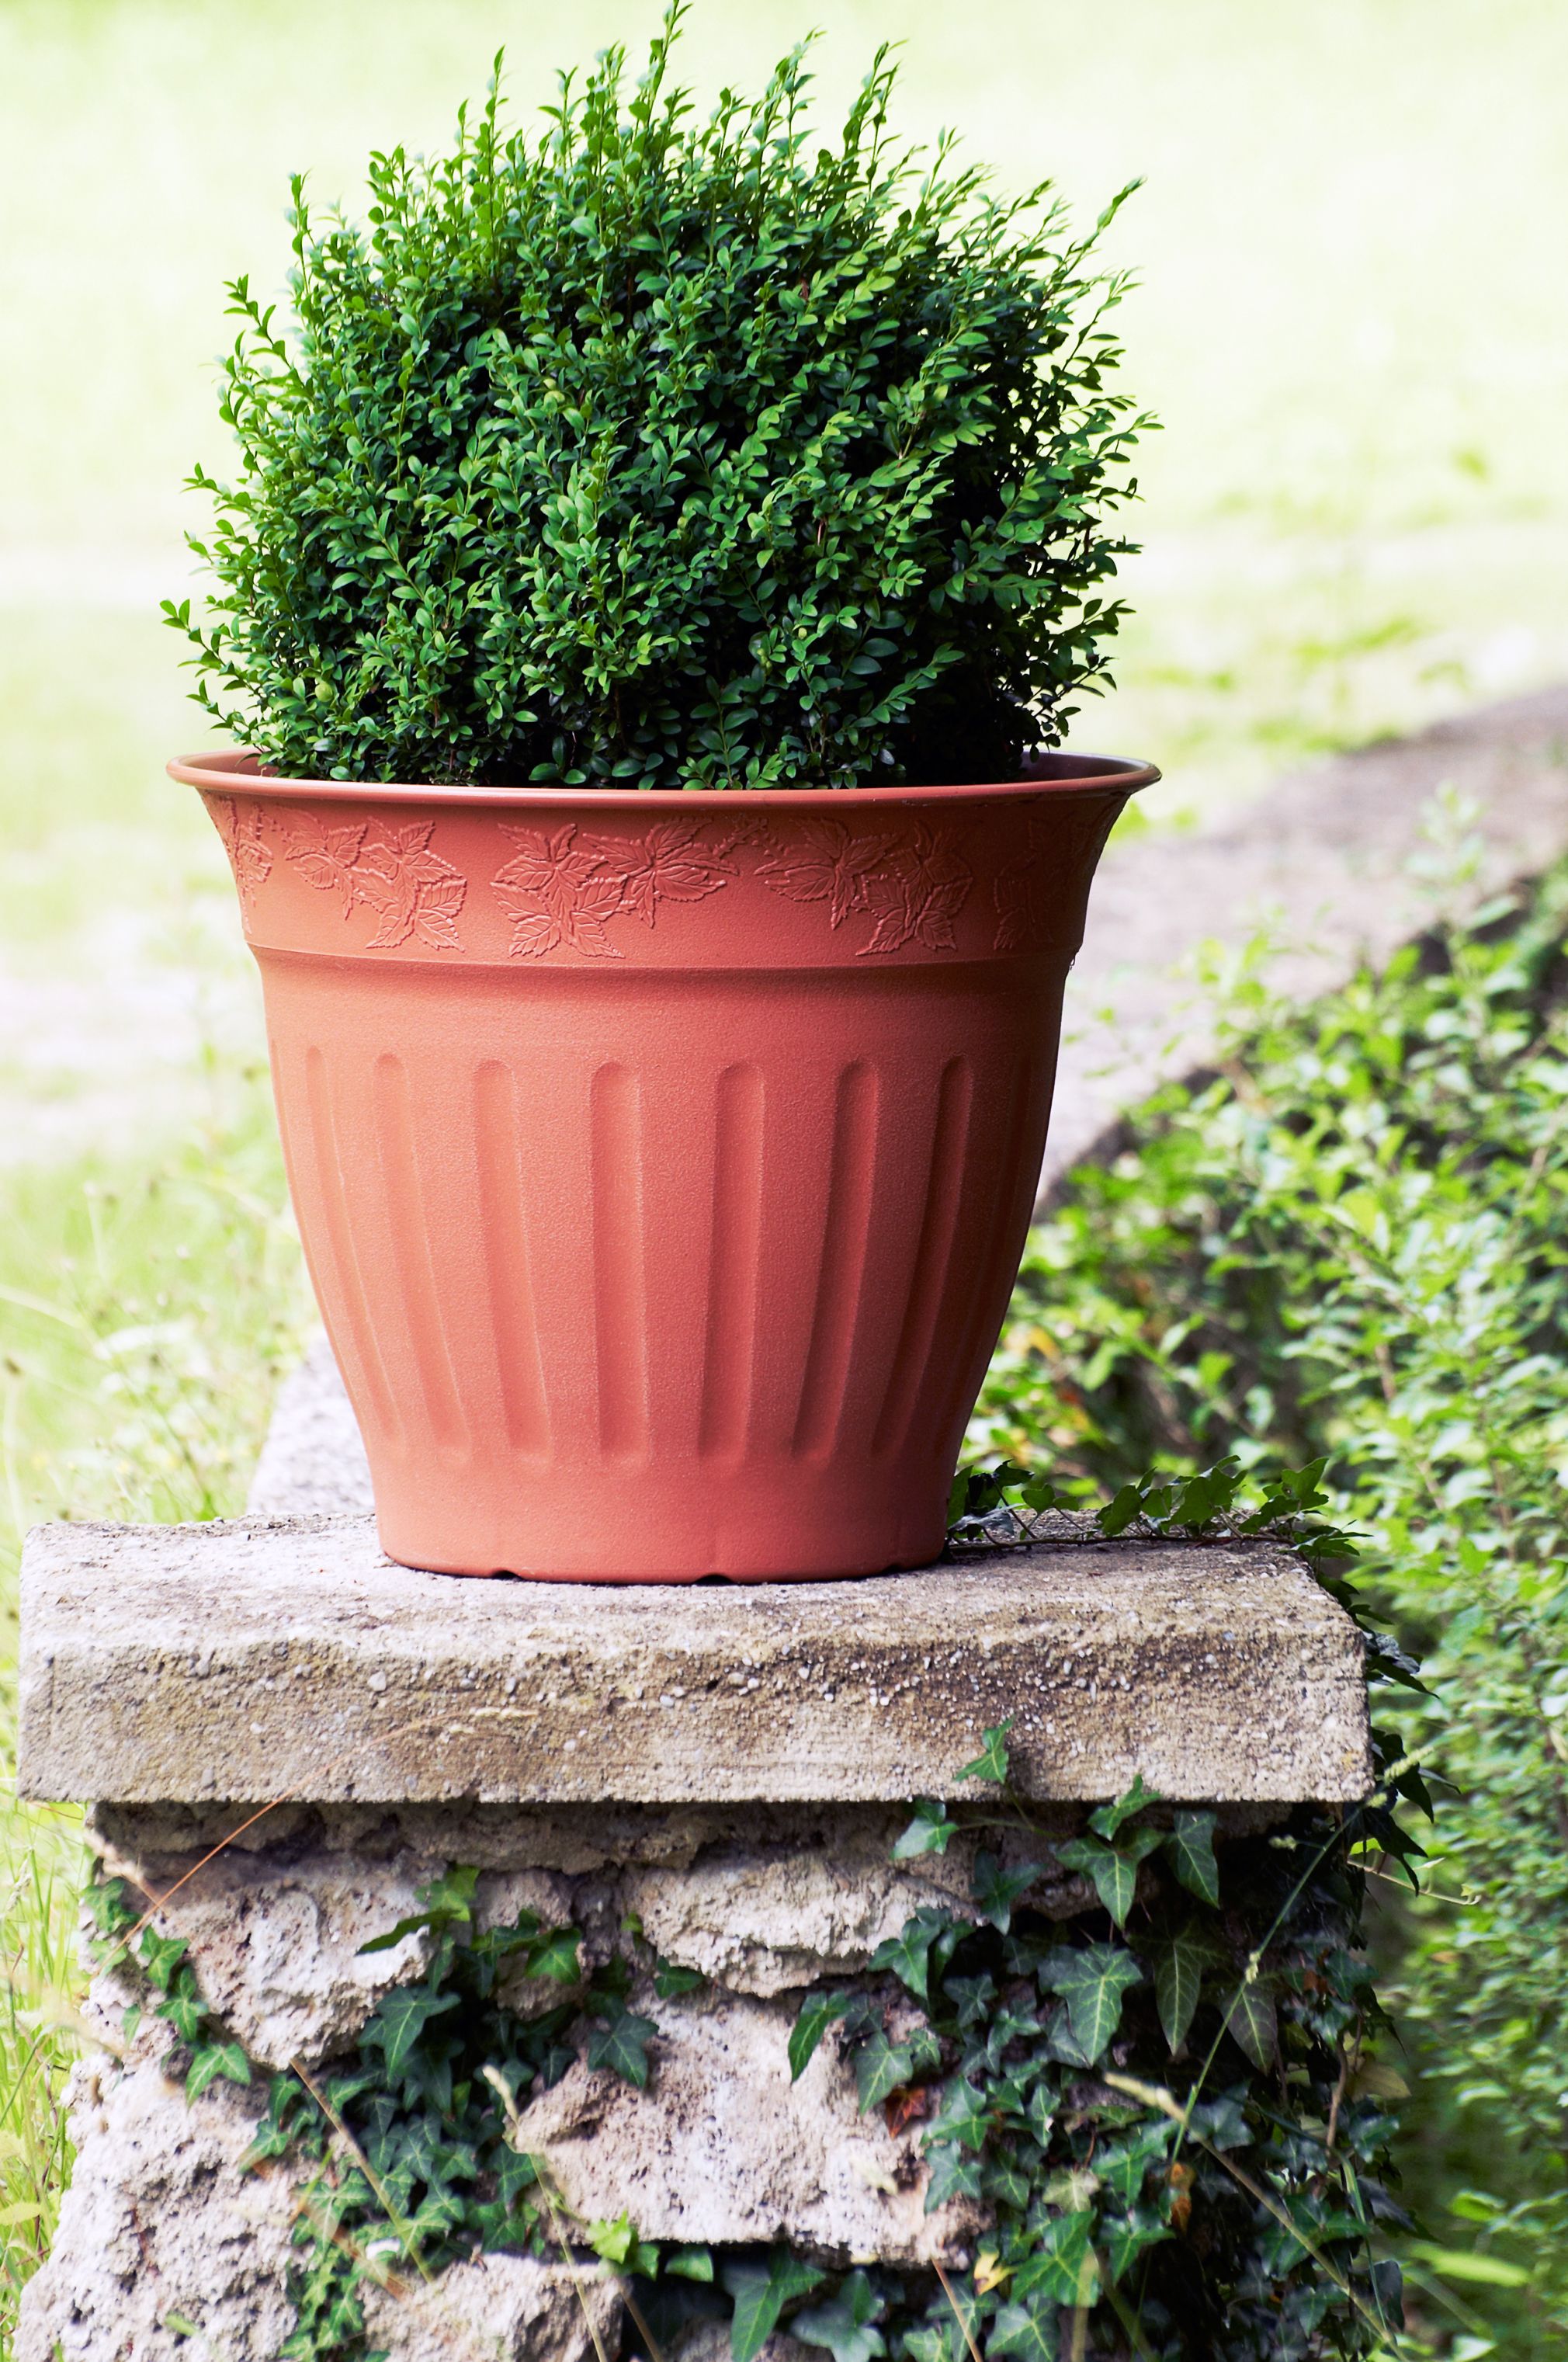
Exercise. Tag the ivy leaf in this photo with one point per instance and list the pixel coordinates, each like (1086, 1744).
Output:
(1107, 1819)
(882, 2068)
(1191, 1847)
(909, 1953)
(670, 1979)
(992, 1760)
(186, 2011)
(846, 2324)
(161, 1956)
(760, 2292)
(1092, 1981)
(1113, 1869)
(554, 1953)
(1063, 2269)
(952, 2175)
(817, 2011)
(618, 2245)
(1125, 2238)
(997, 1890)
(690, 2264)
(620, 2043)
(929, 1832)
(215, 2059)
(445, 1902)
(401, 2018)
(1029, 2331)
(1251, 2018)
(964, 2115)
(1178, 1982)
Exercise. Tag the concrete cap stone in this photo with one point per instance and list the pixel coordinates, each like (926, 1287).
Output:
(271, 1658)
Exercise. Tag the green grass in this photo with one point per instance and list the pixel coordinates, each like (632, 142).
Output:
(144, 1314)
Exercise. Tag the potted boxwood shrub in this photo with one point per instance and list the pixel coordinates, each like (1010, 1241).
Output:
(662, 562)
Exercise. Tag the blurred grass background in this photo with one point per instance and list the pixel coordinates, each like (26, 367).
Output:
(1351, 325)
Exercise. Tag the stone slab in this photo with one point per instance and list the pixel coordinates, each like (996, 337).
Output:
(259, 1659)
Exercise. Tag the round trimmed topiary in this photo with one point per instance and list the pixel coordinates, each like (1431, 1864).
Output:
(668, 453)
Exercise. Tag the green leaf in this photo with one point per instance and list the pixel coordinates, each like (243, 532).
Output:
(618, 2245)
(1029, 2331)
(690, 2264)
(760, 2292)
(964, 2115)
(1063, 2268)
(620, 2043)
(1107, 1819)
(1191, 1847)
(817, 2011)
(400, 2019)
(952, 2175)
(928, 1932)
(1125, 2238)
(1467, 2265)
(161, 1956)
(1113, 1869)
(847, 2323)
(992, 1760)
(555, 1953)
(1180, 1963)
(215, 2059)
(929, 1832)
(1251, 2018)
(882, 2068)
(1093, 1980)
(670, 1979)
(447, 1901)
(997, 1890)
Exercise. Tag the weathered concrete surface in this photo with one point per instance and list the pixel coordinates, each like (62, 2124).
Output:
(257, 1660)
(160, 2225)
(312, 1463)
(497, 2309)
(1328, 862)
(723, 2148)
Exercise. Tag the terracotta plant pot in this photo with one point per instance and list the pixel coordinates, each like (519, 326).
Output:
(663, 1162)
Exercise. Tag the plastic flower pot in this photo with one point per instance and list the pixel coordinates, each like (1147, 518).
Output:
(663, 1160)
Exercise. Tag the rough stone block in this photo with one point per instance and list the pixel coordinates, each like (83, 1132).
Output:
(251, 1659)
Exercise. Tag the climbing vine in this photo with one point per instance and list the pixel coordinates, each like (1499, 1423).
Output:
(1144, 2061)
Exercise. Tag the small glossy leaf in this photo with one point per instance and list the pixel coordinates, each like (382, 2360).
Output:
(817, 2011)
(929, 1832)
(620, 2043)
(1092, 1981)
(760, 2292)
(1191, 1847)
(1180, 1963)
(992, 1760)
(847, 2323)
(1027, 2331)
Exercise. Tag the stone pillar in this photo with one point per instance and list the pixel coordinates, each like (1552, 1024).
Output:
(286, 1739)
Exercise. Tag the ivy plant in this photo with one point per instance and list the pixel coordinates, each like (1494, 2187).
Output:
(664, 452)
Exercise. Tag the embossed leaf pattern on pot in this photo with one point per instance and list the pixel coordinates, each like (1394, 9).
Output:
(554, 891)
(828, 864)
(412, 890)
(326, 856)
(1026, 893)
(668, 863)
(558, 889)
(250, 856)
(916, 896)
(911, 886)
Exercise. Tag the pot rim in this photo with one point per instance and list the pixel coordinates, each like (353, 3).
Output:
(1056, 774)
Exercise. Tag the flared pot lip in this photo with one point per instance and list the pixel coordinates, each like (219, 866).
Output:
(1056, 774)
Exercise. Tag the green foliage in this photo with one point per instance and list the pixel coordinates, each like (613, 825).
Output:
(661, 453)
(1353, 1243)
(1170, 2115)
